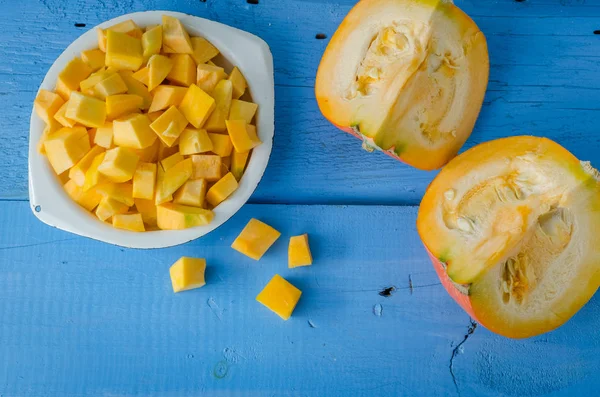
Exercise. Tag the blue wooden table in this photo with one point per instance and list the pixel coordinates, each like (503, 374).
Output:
(82, 318)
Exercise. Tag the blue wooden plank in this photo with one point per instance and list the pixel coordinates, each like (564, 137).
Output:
(78, 317)
(543, 81)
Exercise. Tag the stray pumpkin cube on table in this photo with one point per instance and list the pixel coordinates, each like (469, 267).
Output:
(176, 217)
(222, 189)
(187, 273)
(299, 252)
(280, 296)
(255, 239)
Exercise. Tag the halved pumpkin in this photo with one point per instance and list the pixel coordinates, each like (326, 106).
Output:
(407, 77)
(512, 229)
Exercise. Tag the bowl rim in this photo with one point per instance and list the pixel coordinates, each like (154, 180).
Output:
(51, 204)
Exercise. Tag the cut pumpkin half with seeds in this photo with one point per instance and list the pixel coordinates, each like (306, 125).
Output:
(512, 228)
(407, 77)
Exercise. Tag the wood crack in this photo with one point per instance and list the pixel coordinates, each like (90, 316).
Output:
(456, 351)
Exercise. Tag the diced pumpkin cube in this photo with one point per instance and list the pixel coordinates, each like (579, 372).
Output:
(169, 125)
(239, 83)
(196, 105)
(192, 141)
(222, 189)
(183, 71)
(143, 76)
(123, 51)
(175, 177)
(152, 41)
(109, 207)
(104, 135)
(129, 27)
(242, 110)
(132, 222)
(66, 147)
(88, 200)
(86, 110)
(92, 176)
(239, 136)
(88, 86)
(256, 238)
(159, 196)
(148, 210)
(121, 192)
(172, 160)
(203, 50)
(166, 96)
(113, 84)
(208, 76)
(175, 38)
(124, 104)
(206, 166)
(299, 252)
(222, 95)
(238, 163)
(133, 131)
(61, 116)
(46, 105)
(159, 66)
(226, 163)
(135, 87)
(144, 180)
(50, 128)
(69, 78)
(77, 172)
(165, 151)
(150, 153)
(251, 130)
(118, 165)
(191, 193)
(154, 115)
(91, 135)
(95, 58)
(175, 216)
(187, 273)
(221, 144)
(280, 297)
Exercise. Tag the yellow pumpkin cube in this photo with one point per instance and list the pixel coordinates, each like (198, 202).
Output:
(196, 105)
(239, 83)
(66, 147)
(86, 110)
(171, 161)
(46, 105)
(208, 76)
(150, 153)
(280, 297)
(166, 96)
(183, 71)
(159, 196)
(256, 238)
(77, 172)
(222, 94)
(238, 163)
(92, 176)
(119, 165)
(175, 177)
(135, 87)
(159, 67)
(222, 189)
(192, 141)
(124, 104)
(95, 58)
(242, 110)
(206, 166)
(88, 86)
(176, 217)
(299, 252)
(154, 115)
(109, 207)
(61, 117)
(187, 273)
(226, 163)
(251, 130)
(192, 193)
(121, 192)
(113, 84)
(69, 78)
(239, 136)
(143, 76)
(129, 27)
(88, 200)
(104, 135)
(144, 179)
(147, 209)
(50, 128)
(203, 50)
(175, 38)
(132, 222)
(221, 144)
(152, 41)
(169, 125)
(123, 51)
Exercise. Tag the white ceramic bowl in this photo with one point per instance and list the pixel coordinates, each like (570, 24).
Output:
(250, 54)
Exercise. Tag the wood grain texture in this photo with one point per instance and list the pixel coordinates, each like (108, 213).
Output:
(543, 81)
(79, 317)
